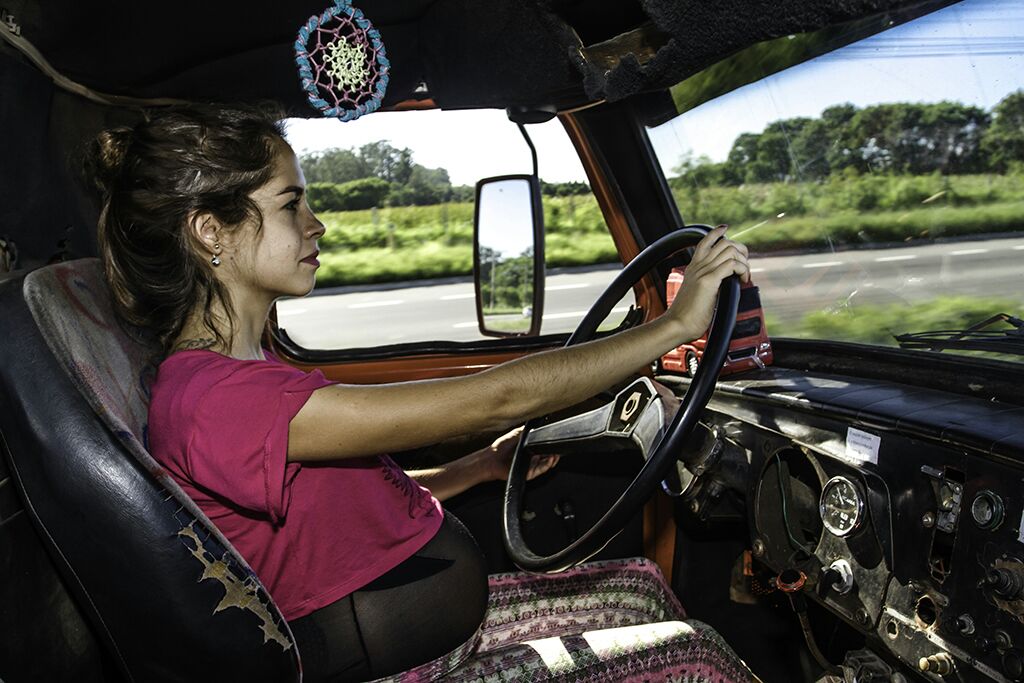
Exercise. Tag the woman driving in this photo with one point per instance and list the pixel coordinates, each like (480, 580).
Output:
(204, 224)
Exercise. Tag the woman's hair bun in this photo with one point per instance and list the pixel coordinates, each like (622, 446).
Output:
(107, 156)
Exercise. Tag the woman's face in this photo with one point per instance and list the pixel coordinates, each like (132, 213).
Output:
(280, 259)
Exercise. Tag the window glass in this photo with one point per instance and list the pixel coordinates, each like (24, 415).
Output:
(395, 190)
(880, 185)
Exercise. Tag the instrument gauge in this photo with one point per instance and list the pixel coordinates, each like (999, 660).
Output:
(842, 506)
(987, 510)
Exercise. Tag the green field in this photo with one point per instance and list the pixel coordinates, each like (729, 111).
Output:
(404, 243)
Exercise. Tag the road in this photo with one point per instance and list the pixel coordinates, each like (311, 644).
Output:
(791, 286)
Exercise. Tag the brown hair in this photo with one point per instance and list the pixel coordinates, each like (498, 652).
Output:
(151, 179)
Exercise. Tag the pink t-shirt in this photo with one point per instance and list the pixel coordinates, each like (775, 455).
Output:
(312, 532)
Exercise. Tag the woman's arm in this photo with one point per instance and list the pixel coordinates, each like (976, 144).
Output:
(343, 421)
(487, 464)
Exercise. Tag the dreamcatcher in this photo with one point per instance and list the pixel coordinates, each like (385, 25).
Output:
(342, 63)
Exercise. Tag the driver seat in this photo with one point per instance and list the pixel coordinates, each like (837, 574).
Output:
(137, 572)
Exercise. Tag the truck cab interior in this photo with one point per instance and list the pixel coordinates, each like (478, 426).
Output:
(838, 499)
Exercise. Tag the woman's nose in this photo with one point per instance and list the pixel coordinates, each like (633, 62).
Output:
(316, 229)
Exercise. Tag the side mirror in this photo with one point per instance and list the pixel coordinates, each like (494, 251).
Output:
(508, 256)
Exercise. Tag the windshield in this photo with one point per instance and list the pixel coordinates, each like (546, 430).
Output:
(879, 185)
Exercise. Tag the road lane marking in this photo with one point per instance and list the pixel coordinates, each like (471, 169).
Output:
(375, 304)
(552, 316)
(557, 288)
(1019, 247)
(757, 270)
(453, 297)
(579, 314)
(965, 252)
(887, 259)
(822, 264)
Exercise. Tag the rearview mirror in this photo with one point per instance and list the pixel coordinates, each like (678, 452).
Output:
(508, 258)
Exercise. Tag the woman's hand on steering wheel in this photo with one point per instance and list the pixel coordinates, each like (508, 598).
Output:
(499, 457)
(714, 258)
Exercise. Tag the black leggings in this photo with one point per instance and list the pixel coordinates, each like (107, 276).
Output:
(423, 608)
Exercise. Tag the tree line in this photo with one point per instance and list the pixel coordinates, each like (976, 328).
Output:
(896, 138)
(379, 174)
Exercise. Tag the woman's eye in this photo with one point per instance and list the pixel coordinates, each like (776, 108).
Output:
(292, 205)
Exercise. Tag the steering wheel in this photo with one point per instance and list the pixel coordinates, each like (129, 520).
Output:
(635, 415)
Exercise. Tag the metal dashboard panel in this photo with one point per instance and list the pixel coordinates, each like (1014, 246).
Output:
(922, 565)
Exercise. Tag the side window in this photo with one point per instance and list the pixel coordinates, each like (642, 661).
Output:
(395, 191)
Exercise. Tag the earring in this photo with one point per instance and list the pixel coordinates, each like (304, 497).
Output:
(216, 257)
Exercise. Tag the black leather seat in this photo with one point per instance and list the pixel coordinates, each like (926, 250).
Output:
(134, 583)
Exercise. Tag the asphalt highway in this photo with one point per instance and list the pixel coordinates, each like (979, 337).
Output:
(791, 286)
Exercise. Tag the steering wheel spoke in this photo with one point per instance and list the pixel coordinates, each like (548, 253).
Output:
(633, 420)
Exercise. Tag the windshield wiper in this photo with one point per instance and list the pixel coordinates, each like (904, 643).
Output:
(974, 338)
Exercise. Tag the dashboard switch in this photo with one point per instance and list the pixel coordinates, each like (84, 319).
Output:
(838, 577)
(940, 664)
(964, 625)
(1013, 665)
(1006, 583)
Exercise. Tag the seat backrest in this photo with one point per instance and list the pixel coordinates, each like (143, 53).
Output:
(161, 587)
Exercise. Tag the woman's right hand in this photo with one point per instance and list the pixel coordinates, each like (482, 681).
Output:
(714, 259)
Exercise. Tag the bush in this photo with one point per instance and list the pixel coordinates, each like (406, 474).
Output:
(324, 197)
(355, 195)
(364, 193)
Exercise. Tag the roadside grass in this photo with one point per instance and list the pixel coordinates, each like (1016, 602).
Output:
(853, 228)
(423, 261)
(877, 325)
(753, 203)
(873, 324)
(422, 242)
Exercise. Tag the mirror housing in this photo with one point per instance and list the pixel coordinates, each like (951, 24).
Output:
(508, 256)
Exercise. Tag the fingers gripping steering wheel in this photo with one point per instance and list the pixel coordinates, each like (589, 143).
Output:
(636, 414)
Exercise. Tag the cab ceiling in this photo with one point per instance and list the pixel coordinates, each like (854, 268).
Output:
(458, 53)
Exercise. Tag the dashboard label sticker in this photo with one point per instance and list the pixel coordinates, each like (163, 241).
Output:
(1020, 530)
(862, 446)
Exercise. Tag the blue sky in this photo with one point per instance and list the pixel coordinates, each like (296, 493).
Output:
(972, 52)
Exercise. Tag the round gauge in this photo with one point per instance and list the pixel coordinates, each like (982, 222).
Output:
(987, 510)
(842, 506)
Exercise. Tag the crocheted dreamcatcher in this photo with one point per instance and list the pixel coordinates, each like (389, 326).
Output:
(342, 63)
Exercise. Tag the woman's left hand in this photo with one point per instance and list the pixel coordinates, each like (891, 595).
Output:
(668, 399)
(499, 457)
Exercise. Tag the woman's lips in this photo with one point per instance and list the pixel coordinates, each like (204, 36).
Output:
(311, 259)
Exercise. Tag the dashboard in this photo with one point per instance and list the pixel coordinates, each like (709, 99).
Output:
(898, 509)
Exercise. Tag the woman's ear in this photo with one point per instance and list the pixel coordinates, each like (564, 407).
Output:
(205, 231)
